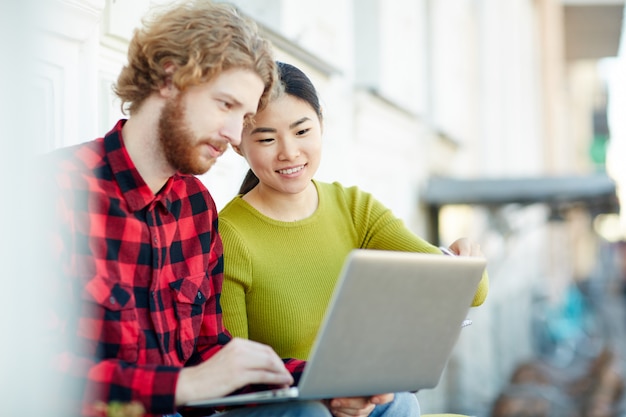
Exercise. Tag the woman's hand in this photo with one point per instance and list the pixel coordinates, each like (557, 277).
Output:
(357, 406)
(466, 247)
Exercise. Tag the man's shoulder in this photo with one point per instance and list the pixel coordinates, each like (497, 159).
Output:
(82, 156)
(67, 170)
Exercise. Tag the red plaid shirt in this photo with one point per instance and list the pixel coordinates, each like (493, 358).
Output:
(145, 274)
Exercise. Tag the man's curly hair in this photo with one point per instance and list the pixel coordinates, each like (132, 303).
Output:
(197, 40)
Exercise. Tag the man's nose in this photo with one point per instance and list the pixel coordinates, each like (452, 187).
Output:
(232, 130)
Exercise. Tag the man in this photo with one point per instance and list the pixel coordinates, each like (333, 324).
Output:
(138, 247)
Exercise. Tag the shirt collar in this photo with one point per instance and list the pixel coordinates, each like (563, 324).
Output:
(134, 189)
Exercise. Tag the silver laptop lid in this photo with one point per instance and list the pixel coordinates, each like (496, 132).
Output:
(392, 323)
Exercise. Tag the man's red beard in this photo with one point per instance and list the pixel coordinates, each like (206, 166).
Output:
(180, 147)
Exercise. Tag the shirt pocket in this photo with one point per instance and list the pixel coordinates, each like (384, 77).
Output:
(190, 296)
(108, 324)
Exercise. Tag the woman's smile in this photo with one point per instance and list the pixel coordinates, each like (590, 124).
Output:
(291, 170)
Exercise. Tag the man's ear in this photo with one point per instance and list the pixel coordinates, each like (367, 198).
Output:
(168, 89)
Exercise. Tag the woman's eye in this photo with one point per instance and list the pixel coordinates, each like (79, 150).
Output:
(303, 132)
(226, 104)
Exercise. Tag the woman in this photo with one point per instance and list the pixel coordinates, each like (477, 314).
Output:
(287, 235)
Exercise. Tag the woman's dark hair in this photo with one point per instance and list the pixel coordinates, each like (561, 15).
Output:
(295, 83)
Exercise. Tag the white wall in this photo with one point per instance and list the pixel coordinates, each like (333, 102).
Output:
(27, 297)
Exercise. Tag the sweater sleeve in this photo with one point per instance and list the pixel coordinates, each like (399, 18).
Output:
(237, 281)
(379, 228)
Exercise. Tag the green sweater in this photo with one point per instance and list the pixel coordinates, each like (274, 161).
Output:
(279, 276)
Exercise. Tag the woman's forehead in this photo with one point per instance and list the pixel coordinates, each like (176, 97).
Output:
(283, 108)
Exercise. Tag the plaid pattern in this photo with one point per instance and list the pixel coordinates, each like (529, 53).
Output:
(145, 274)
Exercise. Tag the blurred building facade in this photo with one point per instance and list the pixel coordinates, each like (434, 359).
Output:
(414, 91)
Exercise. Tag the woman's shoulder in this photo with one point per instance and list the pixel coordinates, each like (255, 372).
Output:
(337, 190)
(337, 187)
(232, 209)
(231, 204)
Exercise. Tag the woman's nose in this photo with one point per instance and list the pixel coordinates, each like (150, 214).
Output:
(288, 150)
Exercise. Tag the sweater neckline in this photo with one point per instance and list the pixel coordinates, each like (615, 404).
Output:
(301, 222)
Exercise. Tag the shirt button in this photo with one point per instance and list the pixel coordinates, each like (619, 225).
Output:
(199, 295)
(156, 240)
(112, 300)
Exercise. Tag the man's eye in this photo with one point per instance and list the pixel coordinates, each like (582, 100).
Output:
(227, 104)
(266, 140)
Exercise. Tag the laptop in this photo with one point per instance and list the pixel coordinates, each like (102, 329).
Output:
(391, 325)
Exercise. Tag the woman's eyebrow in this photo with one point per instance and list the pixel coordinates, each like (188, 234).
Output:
(273, 130)
(263, 130)
(299, 121)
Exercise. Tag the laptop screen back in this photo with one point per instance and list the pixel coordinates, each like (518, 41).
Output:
(392, 323)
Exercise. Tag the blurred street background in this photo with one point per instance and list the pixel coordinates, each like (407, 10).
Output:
(500, 120)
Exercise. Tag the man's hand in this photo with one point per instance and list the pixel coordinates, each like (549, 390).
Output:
(357, 406)
(239, 363)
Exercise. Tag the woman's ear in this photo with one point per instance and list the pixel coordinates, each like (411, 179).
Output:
(237, 149)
